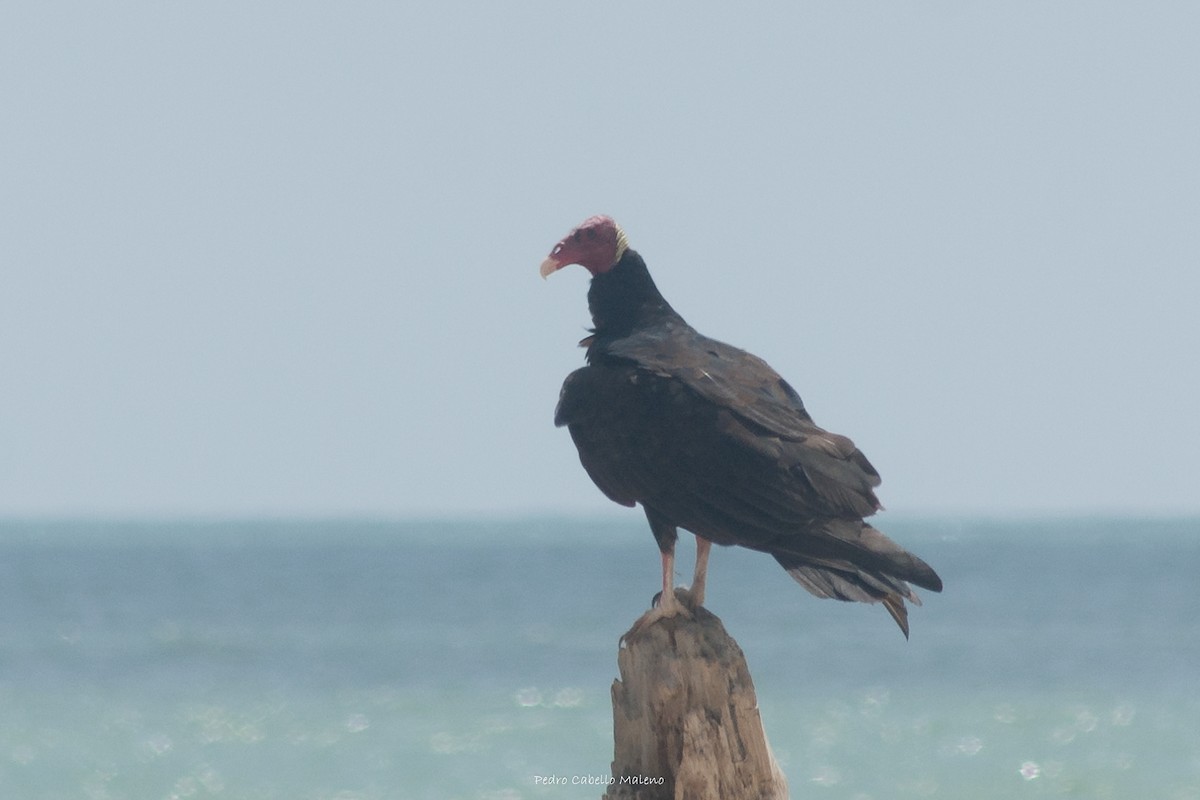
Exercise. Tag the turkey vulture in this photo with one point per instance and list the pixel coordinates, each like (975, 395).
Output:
(709, 438)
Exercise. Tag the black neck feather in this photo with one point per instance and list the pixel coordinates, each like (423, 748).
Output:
(625, 299)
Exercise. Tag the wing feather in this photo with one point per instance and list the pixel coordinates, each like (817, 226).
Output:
(737, 462)
(758, 411)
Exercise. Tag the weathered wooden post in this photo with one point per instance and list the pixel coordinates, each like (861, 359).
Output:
(685, 717)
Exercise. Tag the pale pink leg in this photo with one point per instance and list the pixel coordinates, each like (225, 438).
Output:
(667, 602)
(701, 574)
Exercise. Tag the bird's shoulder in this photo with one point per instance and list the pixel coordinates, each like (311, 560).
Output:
(733, 379)
(754, 404)
(673, 390)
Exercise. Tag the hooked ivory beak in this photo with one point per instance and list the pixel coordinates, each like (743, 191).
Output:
(550, 265)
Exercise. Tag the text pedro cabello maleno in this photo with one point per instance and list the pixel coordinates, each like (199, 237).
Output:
(596, 780)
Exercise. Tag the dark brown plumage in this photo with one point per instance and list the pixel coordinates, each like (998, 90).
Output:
(709, 438)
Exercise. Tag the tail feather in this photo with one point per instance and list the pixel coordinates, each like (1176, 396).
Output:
(856, 545)
(841, 580)
(901, 563)
(899, 612)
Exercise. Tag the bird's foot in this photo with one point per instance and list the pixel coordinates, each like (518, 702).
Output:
(688, 598)
(679, 604)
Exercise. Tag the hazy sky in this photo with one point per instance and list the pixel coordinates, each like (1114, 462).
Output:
(282, 258)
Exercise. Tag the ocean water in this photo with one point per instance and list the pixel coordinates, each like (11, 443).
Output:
(468, 660)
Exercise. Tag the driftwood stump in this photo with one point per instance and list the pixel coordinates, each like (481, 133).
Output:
(685, 717)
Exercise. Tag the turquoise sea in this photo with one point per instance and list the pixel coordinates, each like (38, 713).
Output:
(448, 660)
